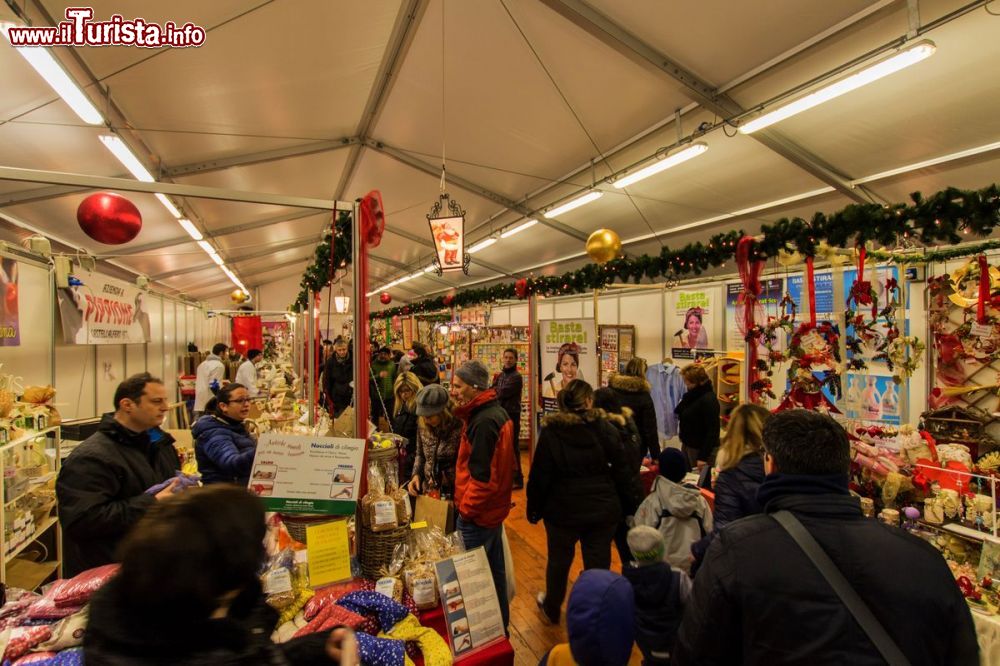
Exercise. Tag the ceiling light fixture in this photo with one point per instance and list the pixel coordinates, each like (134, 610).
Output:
(518, 229)
(481, 245)
(902, 59)
(126, 157)
(217, 259)
(169, 205)
(49, 69)
(189, 227)
(430, 269)
(662, 164)
(341, 302)
(575, 203)
(207, 247)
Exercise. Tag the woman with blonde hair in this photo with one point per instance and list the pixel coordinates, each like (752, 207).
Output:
(741, 471)
(404, 418)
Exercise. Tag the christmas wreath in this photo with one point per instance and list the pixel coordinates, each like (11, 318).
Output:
(813, 349)
(903, 355)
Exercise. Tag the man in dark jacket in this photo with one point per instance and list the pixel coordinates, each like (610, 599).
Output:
(509, 385)
(102, 484)
(338, 373)
(758, 599)
(484, 472)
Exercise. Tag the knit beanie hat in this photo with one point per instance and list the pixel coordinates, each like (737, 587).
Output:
(646, 544)
(475, 374)
(673, 464)
(431, 399)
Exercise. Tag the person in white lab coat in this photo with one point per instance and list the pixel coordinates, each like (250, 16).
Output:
(246, 374)
(209, 370)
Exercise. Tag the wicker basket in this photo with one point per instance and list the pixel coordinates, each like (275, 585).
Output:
(296, 525)
(375, 549)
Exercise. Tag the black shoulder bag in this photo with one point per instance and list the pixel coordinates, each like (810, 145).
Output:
(850, 598)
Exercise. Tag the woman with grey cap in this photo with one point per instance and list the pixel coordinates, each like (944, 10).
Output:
(438, 435)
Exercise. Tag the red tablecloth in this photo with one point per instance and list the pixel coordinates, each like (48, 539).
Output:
(498, 654)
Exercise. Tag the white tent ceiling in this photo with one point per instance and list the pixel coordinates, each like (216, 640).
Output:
(532, 101)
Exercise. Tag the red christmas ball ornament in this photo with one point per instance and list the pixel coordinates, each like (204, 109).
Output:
(109, 218)
(448, 300)
(521, 288)
(406, 310)
(385, 298)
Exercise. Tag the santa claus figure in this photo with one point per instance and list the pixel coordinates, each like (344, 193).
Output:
(449, 240)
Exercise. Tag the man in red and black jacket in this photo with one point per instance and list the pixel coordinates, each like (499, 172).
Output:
(509, 385)
(484, 472)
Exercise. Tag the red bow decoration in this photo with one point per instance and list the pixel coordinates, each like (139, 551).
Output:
(372, 218)
(811, 286)
(521, 288)
(861, 290)
(750, 272)
(984, 289)
(448, 299)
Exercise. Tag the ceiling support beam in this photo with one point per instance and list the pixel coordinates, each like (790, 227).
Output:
(225, 231)
(271, 249)
(208, 166)
(405, 27)
(404, 267)
(589, 19)
(474, 188)
(38, 194)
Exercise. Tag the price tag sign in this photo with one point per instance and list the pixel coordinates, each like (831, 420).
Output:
(982, 330)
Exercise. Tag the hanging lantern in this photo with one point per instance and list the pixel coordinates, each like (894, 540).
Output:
(604, 245)
(341, 302)
(109, 218)
(447, 223)
(385, 298)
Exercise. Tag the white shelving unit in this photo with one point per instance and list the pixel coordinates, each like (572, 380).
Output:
(21, 525)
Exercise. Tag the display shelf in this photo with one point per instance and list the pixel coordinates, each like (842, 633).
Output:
(39, 531)
(617, 349)
(28, 575)
(22, 454)
(29, 437)
(490, 352)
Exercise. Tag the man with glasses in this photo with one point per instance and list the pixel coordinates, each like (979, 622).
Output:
(112, 478)
(812, 581)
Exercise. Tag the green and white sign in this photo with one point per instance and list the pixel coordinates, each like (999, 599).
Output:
(312, 475)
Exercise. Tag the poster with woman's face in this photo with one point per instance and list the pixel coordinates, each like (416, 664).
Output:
(694, 322)
(568, 349)
(10, 328)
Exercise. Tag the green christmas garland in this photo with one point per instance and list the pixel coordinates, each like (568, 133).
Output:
(942, 218)
(318, 277)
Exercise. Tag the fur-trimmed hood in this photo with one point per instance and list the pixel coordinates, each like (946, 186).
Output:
(570, 419)
(620, 420)
(628, 384)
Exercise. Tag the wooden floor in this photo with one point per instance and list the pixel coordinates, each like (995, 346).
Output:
(530, 634)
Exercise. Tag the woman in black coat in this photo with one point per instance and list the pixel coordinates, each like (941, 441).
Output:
(621, 418)
(187, 593)
(698, 417)
(405, 420)
(632, 390)
(741, 471)
(423, 365)
(578, 484)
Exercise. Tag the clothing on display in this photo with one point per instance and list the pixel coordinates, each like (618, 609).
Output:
(666, 388)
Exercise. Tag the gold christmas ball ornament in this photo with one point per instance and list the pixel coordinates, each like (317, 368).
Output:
(604, 245)
(238, 296)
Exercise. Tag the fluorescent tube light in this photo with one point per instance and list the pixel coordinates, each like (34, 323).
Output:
(518, 229)
(169, 205)
(126, 157)
(910, 55)
(217, 259)
(49, 69)
(207, 247)
(430, 268)
(575, 203)
(694, 150)
(481, 245)
(190, 228)
(414, 276)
